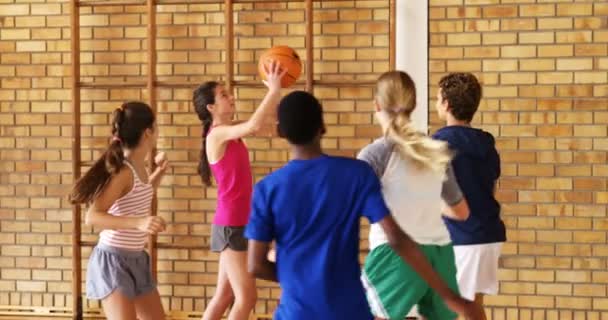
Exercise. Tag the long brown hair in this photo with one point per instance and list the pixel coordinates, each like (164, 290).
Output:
(128, 125)
(396, 95)
(201, 97)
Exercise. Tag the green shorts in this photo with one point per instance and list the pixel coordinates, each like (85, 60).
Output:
(393, 288)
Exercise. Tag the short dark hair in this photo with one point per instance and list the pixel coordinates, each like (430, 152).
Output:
(463, 93)
(300, 117)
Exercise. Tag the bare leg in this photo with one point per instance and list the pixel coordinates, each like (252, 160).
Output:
(223, 296)
(242, 283)
(117, 306)
(149, 306)
(479, 302)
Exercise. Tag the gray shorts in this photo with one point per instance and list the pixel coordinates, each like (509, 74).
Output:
(112, 268)
(223, 237)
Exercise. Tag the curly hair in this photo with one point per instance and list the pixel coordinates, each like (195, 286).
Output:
(463, 93)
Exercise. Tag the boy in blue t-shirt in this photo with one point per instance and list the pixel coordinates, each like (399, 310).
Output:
(477, 240)
(311, 207)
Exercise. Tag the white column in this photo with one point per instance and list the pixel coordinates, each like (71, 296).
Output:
(412, 43)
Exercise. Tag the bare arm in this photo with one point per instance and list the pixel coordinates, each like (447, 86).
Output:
(408, 250)
(267, 108)
(455, 205)
(258, 263)
(161, 167)
(119, 185)
(459, 211)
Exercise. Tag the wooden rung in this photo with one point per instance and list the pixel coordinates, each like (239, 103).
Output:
(105, 3)
(238, 83)
(324, 83)
(160, 2)
(112, 85)
(87, 243)
(101, 3)
(35, 311)
(344, 83)
(193, 164)
(163, 245)
(159, 245)
(178, 84)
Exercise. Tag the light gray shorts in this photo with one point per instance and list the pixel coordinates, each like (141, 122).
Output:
(112, 268)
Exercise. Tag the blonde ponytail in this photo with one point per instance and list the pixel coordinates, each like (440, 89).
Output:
(397, 97)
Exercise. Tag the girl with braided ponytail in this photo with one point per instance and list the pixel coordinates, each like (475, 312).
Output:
(225, 156)
(418, 185)
(119, 191)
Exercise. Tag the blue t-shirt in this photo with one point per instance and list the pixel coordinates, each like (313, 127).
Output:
(312, 209)
(477, 167)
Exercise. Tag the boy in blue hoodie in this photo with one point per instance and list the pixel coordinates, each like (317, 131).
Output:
(478, 240)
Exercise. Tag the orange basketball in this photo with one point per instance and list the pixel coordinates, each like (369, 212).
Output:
(288, 58)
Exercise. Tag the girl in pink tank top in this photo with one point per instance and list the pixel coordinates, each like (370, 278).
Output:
(225, 156)
(119, 193)
(234, 191)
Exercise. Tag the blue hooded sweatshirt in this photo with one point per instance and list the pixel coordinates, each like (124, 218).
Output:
(477, 167)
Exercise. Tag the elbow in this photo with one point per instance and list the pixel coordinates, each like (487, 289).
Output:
(464, 210)
(89, 218)
(403, 247)
(459, 211)
(399, 241)
(254, 269)
(464, 216)
(461, 215)
(395, 245)
(255, 126)
(251, 126)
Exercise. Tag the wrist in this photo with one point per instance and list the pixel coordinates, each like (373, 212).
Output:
(450, 296)
(133, 223)
(158, 170)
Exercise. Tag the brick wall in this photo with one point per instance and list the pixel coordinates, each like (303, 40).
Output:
(545, 76)
(545, 73)
(351, 42)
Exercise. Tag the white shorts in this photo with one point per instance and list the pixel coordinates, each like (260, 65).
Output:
(477, 268)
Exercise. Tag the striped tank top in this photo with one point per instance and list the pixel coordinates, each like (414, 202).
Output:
(136, 203)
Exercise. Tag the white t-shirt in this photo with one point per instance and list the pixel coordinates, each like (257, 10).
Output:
(413, 195)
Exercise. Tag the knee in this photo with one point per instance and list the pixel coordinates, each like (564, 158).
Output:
(247, 299)
(224, 297)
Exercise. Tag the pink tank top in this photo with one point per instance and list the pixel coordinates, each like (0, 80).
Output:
(136, 203)
(234, 184)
